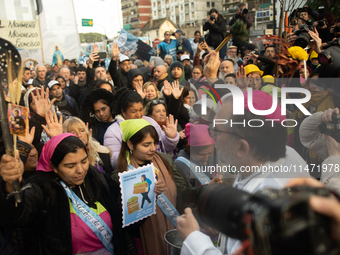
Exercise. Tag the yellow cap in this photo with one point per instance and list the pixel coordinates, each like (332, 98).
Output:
(268, 79)
(313, 55)
(252, 69)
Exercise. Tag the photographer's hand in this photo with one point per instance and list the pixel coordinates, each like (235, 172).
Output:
(326, 206)
(327, 115)
(317, 40)
(187, 223)
(291, 37)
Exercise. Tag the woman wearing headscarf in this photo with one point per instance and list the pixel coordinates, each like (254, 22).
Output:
(199, 152)
(69, 207)
(138, 148)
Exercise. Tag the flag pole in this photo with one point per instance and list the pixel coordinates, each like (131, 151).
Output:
(42, 49)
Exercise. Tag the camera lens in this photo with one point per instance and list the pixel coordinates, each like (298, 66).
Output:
(325, 58)
(327, 128)
(302, 40)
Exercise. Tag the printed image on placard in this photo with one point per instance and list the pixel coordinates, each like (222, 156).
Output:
(17, 119)
(138, 196)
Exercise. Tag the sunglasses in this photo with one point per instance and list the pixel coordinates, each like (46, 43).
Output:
(156, 102)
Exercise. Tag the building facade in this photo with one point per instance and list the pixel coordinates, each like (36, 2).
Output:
(183, 13)
(135, 15)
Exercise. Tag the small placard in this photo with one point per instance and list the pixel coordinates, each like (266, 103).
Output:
(18, 119)
(138, 195)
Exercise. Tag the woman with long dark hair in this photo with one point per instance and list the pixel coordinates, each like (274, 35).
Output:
(138, 148)
(69, 208)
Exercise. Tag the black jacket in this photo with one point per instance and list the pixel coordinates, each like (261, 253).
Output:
(45, 212)
(133, 73)
(216, 31)
(119, 77)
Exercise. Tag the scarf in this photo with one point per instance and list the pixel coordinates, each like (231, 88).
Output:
(44, 163)
(131, 127)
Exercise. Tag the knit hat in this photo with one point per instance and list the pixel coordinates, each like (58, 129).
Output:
(176, 64)
(264, 101)
(198, 135)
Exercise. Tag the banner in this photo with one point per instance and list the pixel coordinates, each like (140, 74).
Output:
(130, 45)
(22, 34)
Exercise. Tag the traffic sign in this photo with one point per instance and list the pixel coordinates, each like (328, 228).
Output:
(156, 41)
(87, 22)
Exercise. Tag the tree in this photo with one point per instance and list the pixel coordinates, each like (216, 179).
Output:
(91, 37)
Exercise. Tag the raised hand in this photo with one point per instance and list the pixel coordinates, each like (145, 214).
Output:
(139, 90)
(95, 48)
(167, 89)
(53, 126)
(76, 79)
(115, 51)
(29, 136)
(211, 64)
(170, 127)
(41, 101)
(241, 78)
(90, 130)
(93, 58)
(176, 92)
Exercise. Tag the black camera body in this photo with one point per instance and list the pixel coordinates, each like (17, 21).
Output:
(331, 128)
(337, 29)
(303, 37)
(212, 17)
(321, 23)
(244, 11)
(274, 221)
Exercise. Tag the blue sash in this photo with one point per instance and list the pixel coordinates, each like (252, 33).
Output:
(165, 205)
(91, 219)
(202, 177)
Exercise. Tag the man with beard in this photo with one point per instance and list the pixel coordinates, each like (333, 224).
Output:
(160, 74)
(232, 54)
(226, 67)
(243, 147)
(182, 43)
(185, 59)
(65, 104)
(119, 76)
(80, 79)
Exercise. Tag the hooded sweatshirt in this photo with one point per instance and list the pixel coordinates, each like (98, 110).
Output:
(182, 80)
(132, 74)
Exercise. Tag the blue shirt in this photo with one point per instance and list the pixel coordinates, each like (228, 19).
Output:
(168, 48)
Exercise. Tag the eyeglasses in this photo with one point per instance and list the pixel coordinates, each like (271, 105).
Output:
(156, 102)
(212, 131)
(167, 34)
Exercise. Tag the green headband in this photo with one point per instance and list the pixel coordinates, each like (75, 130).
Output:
(131, 127)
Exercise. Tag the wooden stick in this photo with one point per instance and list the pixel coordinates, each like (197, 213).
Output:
(219, 47)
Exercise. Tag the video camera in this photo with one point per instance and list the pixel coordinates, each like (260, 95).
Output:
(274, 221)
(303, 37)
(330, 59)
(337, 29)
(331, 128)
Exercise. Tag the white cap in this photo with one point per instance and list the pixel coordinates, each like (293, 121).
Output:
(122, 58)
(52, 83)
(184, 57)
(30, 82)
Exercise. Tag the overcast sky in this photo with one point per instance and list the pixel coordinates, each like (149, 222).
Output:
(106, 15)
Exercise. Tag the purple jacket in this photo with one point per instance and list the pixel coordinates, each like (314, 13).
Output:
(113, 139)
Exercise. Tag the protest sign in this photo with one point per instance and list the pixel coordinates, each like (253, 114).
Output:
(22, 34)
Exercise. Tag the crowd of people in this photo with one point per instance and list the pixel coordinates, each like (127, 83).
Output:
(88, 124)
